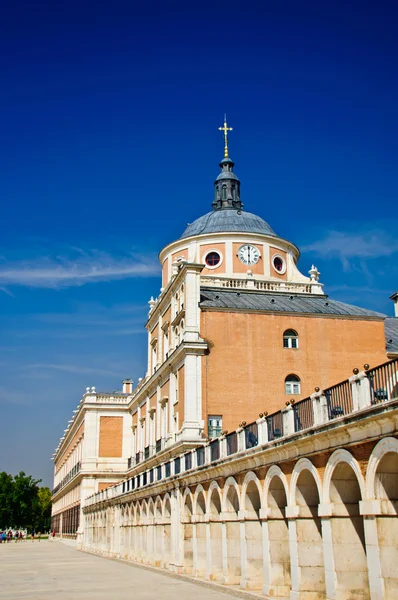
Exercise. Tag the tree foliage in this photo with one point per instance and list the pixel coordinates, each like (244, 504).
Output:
(23, 504)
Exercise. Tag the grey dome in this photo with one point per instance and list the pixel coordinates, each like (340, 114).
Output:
(219, 221)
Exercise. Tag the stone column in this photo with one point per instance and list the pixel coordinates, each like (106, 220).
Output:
(325, 512)
(291, 514)
(369, 509)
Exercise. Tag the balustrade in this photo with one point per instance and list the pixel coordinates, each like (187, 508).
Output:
(383, 386)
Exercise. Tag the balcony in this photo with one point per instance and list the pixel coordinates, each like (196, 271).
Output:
(72, 473)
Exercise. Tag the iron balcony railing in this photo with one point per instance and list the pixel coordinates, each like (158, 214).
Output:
(375, 386)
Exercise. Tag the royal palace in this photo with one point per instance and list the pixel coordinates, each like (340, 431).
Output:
(260, 449)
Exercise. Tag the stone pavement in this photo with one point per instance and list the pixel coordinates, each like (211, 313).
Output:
(50, 569)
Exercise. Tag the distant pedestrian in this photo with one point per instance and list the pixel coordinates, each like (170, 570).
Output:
(33, 536)
(4, 537)
(20, 536)
(39, 535)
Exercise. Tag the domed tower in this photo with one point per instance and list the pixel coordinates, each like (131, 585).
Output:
(237, 248)
(237, 329)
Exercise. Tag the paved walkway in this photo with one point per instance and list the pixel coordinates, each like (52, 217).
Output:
(49, 569)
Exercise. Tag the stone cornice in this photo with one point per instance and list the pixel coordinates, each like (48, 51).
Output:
(173, 361)
(165, 299)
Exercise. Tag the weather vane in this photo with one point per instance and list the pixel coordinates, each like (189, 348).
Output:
(225, 129)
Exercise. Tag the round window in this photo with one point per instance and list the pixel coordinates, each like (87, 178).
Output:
(279, 264)
(212, 259)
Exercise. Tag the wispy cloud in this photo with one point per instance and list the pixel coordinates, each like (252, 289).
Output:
(346, 246)
(84, 267)
(6, 291)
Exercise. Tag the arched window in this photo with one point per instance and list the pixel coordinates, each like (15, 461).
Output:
(290, 339)
(292, 385)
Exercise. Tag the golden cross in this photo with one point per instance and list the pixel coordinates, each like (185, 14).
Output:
(225, 129)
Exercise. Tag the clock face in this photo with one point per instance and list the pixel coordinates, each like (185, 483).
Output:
(248, 254)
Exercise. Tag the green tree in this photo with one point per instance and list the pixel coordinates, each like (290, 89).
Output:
(6, 505)
(43, 522)
(25, 501)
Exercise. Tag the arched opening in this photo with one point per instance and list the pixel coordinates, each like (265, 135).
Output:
(348, 536)
(309, 536)
(188, 534)
(216, 549)
(234, 570)
(200, 510)
(167, 533)
(253, 535)
(278, 539)
(386, 489)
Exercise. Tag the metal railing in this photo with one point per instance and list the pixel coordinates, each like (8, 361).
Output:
(232, 443)
(214, 450)
(251, 435)
(303, 414)
(383, 382)
(345, 398)
(72, 473)
(200, 456)
(275, 426)
(339, 399)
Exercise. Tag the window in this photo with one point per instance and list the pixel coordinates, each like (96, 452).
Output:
(279, 264)
(292, 385)
(290, 339)
(212, 259)
(214, 426)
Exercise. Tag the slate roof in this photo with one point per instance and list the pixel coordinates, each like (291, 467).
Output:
(280, 303)
(227, 220)
(391, 329)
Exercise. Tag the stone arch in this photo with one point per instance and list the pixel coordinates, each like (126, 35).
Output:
(344, 488)
(383, 447)
(231, 496)
(167, 506)
(214, 500)
(304, 464)
(305, 496)
(158, 507)
(251, 494)
(272, 472)
(339, 457)
(382, 484)
(199, 501)
(277, 560)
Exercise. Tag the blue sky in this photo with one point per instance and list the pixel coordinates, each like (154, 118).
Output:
(109, 146)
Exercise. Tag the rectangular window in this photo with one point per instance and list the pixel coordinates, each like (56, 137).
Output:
(294, 342)
(214, 426)
(286, 342)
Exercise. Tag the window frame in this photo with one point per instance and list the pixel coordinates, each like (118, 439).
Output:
(292, 385)
(206, 254)
(290, 336)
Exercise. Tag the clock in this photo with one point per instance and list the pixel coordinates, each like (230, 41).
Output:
(248, 254)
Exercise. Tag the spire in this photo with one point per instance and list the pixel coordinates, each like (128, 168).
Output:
(225, 129)
(227, 184)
